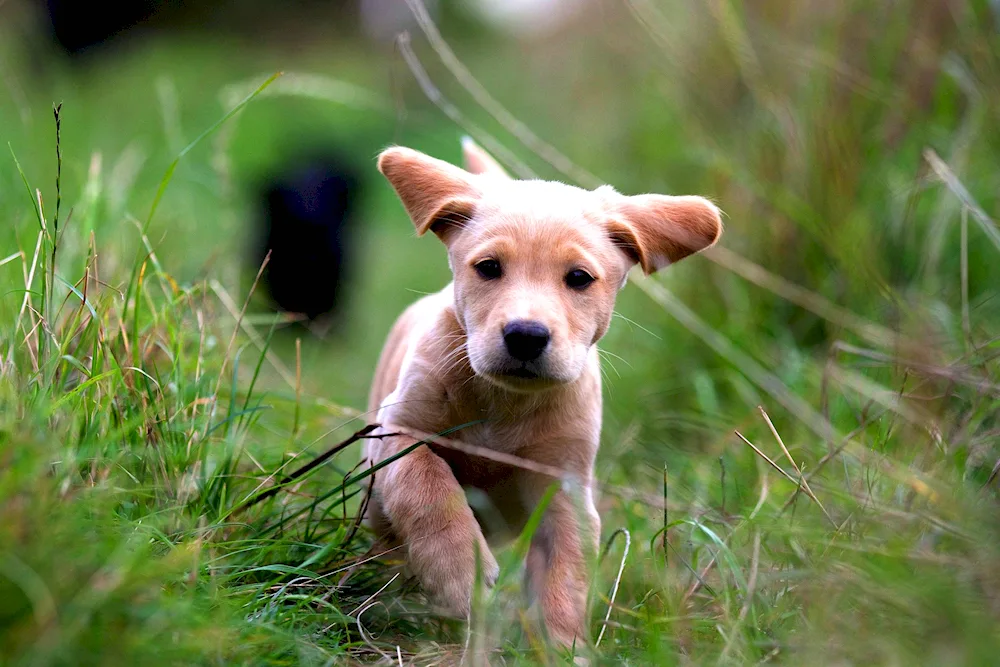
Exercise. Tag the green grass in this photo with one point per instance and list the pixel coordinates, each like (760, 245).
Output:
(854, 300)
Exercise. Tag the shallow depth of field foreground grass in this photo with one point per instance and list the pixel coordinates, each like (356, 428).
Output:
(802, 427)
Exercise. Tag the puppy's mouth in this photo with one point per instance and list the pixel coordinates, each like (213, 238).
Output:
(521, 378)
(524, 373)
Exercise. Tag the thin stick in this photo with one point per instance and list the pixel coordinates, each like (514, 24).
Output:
(523, 133)
(618, 578)
(46, 285)
(316, 462)
(239, 320)
(948, 177)
(361, 629)
(666, 519)
(752, 580)
(766, 458)
(362, 510)
(964, 258)
(55, 220)
(230, 305)
(699, 581)
(28, 282)
(483, 452)
(765, 489)
(802, 480)
(993, 474)
(791, 479)
(802, 297)
(493, 455)
(361, 607)
(747, 365)
(748, 598)
(432, 93)
(722, 482)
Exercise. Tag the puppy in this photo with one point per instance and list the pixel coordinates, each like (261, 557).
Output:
(509, 349)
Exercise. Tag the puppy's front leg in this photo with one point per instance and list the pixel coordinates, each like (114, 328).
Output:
(557, 563)
(429, 514)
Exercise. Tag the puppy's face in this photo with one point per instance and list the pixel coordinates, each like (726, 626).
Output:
(538, 264)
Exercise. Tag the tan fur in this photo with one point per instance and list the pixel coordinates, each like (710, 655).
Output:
(445, 364)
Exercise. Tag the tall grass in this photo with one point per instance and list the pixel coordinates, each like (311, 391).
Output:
(129, 457)
(801, 437)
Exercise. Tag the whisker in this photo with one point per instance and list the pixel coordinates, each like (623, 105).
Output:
(633, 323)
(612, 354)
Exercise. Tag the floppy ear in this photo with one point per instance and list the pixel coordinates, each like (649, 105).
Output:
(658, 230)
(478, 161)
(438, 196)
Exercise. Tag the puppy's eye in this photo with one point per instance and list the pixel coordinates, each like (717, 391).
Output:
(488, 269)
(579, 279)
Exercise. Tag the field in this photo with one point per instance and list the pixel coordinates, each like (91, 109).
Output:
(802, 426)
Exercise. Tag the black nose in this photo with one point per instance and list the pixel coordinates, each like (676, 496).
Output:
(525, 340)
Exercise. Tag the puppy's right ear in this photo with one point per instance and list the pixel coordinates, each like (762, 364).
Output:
(438, 196)
(478, 161)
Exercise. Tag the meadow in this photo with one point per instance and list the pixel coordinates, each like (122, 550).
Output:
(802, 439)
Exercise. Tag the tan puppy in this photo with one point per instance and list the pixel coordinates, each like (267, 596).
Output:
(510, 348)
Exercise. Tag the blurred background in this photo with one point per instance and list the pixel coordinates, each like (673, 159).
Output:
(852, 146)
(807, 124)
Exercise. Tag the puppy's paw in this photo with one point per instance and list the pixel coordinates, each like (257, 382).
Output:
(445, 564)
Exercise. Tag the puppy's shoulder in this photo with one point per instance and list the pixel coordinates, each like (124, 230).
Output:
(414, 341)
(427, 317)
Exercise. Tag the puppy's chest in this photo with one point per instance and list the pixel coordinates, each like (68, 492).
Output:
(499, 432)
(522, 425)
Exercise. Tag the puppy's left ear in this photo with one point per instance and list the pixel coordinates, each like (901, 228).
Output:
(656, 231)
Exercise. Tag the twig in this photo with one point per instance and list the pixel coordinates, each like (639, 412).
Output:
(483, 452)
(725, 348)
(239, 320)
(230, 305)
(362, 510)
(752, 580)
(29, 279)
(666, 521)
(361, 629)
(361, 607)
(768, 459)
(947, 176)
(805, 489)
(748, 598)
(316, 462)
(802, 297)
(802, 480)
(993, 474)
(505, 118)
(432, 93)
(366, 558)
(699, 580)
(618, 578)
(964, 274)
(764, 492)
(471, 450)
(55, 220)
(722, 483)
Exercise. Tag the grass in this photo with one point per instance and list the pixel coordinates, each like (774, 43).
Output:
(847, 331)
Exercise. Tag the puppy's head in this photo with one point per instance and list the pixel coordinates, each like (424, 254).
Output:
(538, 264)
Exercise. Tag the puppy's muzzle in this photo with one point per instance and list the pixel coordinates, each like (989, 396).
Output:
(526, 340)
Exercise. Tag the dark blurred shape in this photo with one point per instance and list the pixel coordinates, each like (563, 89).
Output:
(306, 226)
(81, 27)
(78, 25)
